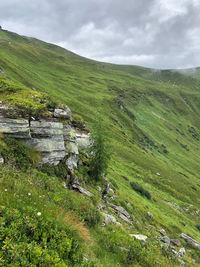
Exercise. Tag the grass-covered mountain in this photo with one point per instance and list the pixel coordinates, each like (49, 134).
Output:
(152, 120)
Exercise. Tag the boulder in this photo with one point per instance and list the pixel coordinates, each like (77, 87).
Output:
(190, 240)
(142, 238)
(181, 252)
(124, 218)
(165, 240)
(72, 162)
(63, 113)
(176, 242)
(75, 185)
(99, 188)
(81, 190)
(162, 232)
(120, 209)
(109, 218)
(150, 214)
(101, 206)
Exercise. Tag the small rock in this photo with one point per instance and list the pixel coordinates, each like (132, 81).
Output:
(181, 252)
(150, 214)
(109, 218)
(72, 162)
(165, 240)
(123, 249)
(182, 263)
(63, 113)
(105, 191)
(162, 232)
(99, 188)
(124, 218)
(85, 257)
(101, 206)
(111, 191)
(176, 242)
(81, 190)
(1, 160)
(119, 209)
(142, 238)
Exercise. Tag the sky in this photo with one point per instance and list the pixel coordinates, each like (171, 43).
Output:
(159, 34)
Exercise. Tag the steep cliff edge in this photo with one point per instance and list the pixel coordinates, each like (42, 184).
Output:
(55, 140)
(29, 115)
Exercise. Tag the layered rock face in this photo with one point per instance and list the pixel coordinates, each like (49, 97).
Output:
(53, 139)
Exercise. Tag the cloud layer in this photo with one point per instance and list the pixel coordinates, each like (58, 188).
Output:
(152, 33)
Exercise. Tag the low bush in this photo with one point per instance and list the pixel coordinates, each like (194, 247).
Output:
(198, 226)
(138, 188)
(18, 154)
(27, 239)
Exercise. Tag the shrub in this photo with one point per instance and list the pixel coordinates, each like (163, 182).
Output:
(138, 188)
(18, 154)
(91, 216)
(59, 170)
(78, 121)
(100, 153)
(34, 241)
(198, 226)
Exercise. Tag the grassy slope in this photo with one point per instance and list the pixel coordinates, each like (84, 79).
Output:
(154, 112)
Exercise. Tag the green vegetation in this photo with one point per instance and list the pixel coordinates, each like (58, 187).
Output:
(100, 154)
(152, 120)
(138, 188)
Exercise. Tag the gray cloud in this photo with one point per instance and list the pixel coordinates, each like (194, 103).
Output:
(152, 33)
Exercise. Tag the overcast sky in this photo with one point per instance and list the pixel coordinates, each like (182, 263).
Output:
(152, 33)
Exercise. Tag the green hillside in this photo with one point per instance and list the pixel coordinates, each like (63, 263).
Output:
(152, 121)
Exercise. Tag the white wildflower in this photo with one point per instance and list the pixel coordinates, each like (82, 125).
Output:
(39, 214)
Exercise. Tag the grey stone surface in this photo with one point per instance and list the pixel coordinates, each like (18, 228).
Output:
(1, 160)
(176, 242)
(124, 218)
(162, 232)
(72, 162)
(139, 237)
(69, 133)
(83, 141)
(120, 209)
(63, 113)
(53, 139)
(81, 190)
(181, 252)
(109, 218)
(16, 128)
(165, 240)
(190, 240)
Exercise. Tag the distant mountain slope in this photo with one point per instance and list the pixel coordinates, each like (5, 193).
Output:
(151, 116)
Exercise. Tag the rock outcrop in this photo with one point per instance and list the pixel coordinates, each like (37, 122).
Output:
(55, 140)
(190, 240)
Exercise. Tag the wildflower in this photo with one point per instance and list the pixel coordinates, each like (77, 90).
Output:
(39, 214)
(6, 190)
(29, 194)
